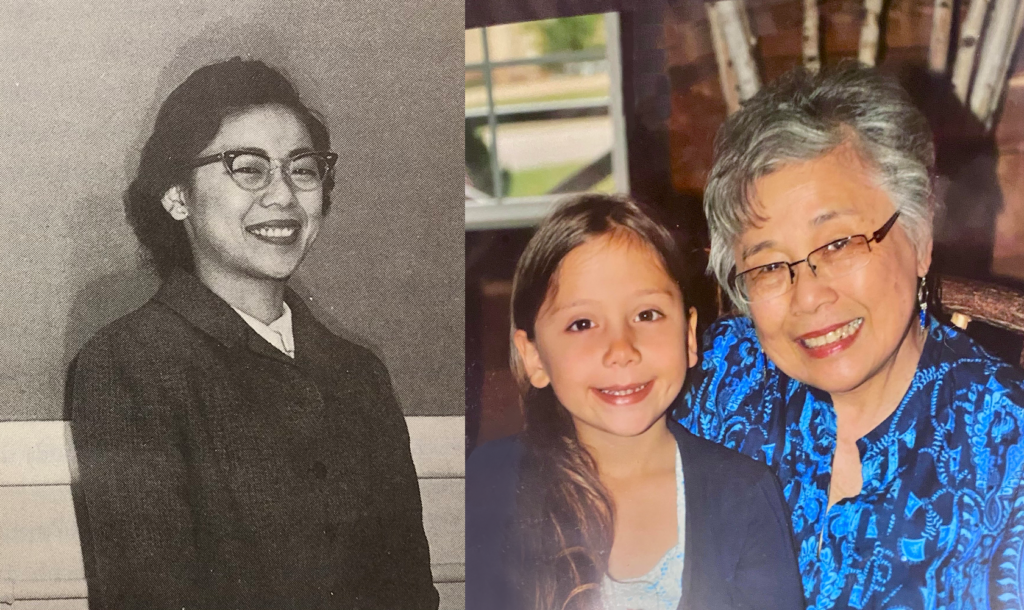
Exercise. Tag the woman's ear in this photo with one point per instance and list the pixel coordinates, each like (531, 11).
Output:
(691, 338)
(530, 357)
(174, 202)
(924, 259)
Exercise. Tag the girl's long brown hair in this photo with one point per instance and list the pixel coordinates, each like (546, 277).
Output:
(564, 525)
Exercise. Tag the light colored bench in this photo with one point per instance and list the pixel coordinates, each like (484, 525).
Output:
(40, 552)
(439, 450)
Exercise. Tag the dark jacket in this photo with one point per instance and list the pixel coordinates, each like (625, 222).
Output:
(218, 473)
(738, 551)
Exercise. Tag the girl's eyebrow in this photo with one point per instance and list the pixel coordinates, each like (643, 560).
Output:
(650, 291)
(638, 293)
(571, 304)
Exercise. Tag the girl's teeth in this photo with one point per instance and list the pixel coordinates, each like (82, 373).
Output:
(836, 335)
(625, 392)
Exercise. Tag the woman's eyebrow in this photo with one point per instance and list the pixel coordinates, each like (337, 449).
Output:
(824, 217)
(818, 220)
(828, 215)
(752, 250)
(260, 151)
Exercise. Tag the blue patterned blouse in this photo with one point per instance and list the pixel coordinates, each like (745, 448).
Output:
(939, 522)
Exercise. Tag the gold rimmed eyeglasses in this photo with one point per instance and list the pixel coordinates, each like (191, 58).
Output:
(834, 259)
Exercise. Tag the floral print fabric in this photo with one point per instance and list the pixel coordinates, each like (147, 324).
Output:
(939, 522)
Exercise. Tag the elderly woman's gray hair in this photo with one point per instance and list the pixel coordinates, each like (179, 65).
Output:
(803, 116)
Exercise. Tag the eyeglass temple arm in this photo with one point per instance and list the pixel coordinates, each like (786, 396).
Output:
(880, 234)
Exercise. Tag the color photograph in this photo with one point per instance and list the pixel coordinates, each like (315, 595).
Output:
(744, 283)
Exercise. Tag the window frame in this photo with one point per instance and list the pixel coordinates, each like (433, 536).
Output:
(484, 211)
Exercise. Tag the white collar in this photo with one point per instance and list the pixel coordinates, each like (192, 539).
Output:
(278, 333)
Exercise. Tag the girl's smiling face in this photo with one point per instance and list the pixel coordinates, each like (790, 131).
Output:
(612, 337)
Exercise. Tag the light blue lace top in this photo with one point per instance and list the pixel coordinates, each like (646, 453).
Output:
(662, 587)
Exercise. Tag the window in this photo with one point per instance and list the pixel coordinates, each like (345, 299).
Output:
(543, 117)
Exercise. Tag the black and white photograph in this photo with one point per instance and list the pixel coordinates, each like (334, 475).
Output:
(233, 338)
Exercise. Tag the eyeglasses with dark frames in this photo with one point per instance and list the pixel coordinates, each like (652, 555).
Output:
(253, 170)
(834, 259)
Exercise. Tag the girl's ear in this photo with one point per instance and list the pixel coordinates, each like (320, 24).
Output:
(174, 202)
(530, 357)
(691, 338)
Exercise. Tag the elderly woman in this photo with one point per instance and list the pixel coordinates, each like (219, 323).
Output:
(233, 452)
(896, 438)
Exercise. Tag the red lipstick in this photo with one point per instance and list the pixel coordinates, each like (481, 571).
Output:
(833, 347)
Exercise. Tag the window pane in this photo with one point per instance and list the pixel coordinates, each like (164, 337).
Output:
(551, 105)
(556, 82)
(536, 38)
(479, 159)
(476, 92)
(474, 46)
(541, 155)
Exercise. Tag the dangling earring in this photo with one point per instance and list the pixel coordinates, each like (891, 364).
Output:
(922, 303)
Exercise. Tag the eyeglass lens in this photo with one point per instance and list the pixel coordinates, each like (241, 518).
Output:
(253, 172)
(832, 260)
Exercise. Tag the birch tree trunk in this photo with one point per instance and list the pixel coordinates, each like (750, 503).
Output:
(869, 32)
(725, 73)
(967, 50)
(991, 65)
(938, 46)
(812, 46)
(745, 18)
(736, 41)
(1004, 70)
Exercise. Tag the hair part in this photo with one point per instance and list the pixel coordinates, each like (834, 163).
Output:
(188, 120)
(803, 116)
(565, 518)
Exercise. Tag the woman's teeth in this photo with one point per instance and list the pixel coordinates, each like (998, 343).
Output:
(627, 392)
(839, 333)
(273, 232)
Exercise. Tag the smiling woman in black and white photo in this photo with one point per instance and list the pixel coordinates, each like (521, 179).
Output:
(234, 453)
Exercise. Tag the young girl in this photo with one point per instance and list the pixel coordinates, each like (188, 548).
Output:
(602, 501)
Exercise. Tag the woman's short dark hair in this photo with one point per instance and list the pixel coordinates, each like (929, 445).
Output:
(187, 122)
